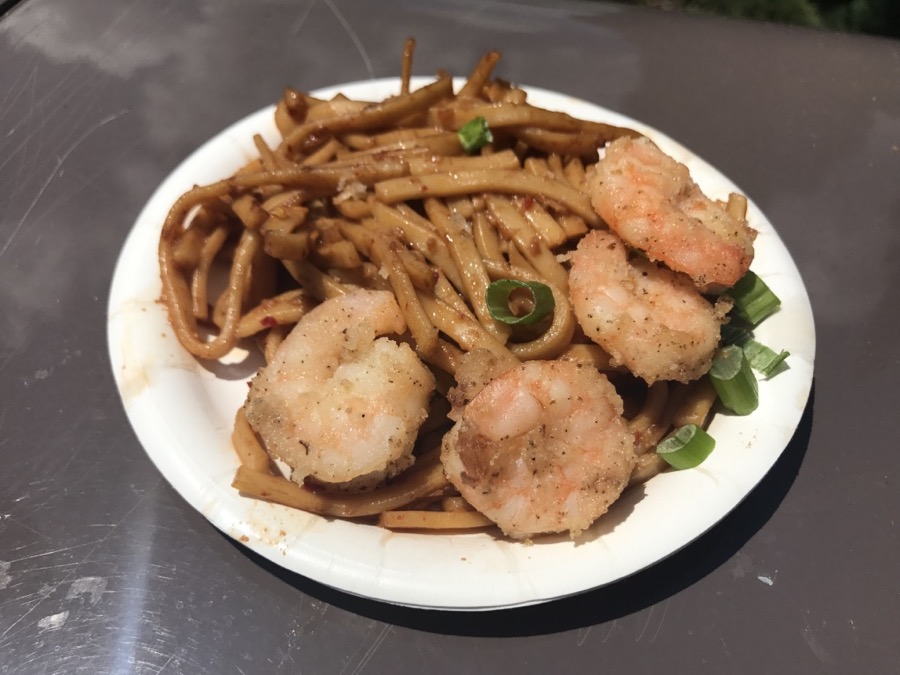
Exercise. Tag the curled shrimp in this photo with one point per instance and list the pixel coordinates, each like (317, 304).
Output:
(337, 403)
(542, 448)
(651, 202)
(649, 319)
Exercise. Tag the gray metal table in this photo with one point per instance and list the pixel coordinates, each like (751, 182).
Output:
(104, 568)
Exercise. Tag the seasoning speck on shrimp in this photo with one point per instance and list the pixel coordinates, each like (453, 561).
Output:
(541, 448)
(649, 319)
(337, 403)
(651, 202)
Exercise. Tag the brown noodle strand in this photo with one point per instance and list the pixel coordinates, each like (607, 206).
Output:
(178, 299)
(542, 222)
(696, 404)
(426, 476)
(469, 263)
(284, 309)
(423, 331)
(466, 182)
(409, 48)
(372, 116)
(433, 520)
(200, 277)
(737, 206)
(480, 75)
(648, 426)
(249, 449)
(514, 226)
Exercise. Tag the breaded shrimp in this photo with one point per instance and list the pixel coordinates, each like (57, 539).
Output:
(338, 405)
(649, 319)
(649, 200)
(541, 448)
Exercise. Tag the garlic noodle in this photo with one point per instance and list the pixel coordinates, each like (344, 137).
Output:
(381, 195)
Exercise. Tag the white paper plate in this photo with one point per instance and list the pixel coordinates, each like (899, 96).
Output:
(182, 413)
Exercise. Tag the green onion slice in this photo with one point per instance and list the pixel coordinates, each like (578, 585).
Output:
(497, 299)
(761, 358)
(475, 134)
(734, 381)
(753, 299)
(687, 447)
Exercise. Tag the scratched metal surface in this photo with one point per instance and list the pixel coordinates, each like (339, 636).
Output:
(104, 569)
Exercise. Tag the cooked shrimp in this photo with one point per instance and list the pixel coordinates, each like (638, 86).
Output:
(541, 448)
(649, 200)
(649, 319)
(337, 403)
(475, 371)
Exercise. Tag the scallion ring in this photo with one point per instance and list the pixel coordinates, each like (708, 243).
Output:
(687, 447)
(734, 381)
(498, 301)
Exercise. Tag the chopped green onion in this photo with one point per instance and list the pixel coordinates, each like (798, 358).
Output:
(761, 357)
(734, 381)
(687, 447)
(753, 299)
(475, 134)
(497, 299)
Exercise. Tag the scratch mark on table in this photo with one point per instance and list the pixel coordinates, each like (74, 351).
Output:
(353, 36)
(119, 19)
(63, 549)
(370, 652)
(32, 77)
(24, 526)
(59, 104)
(608, 631)
(646, 623)
(165, 665)
(59, 163)
(31, 88)
(87, 180)
(583, 635)
(662, 620)
(301, 20)
(812, 641)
